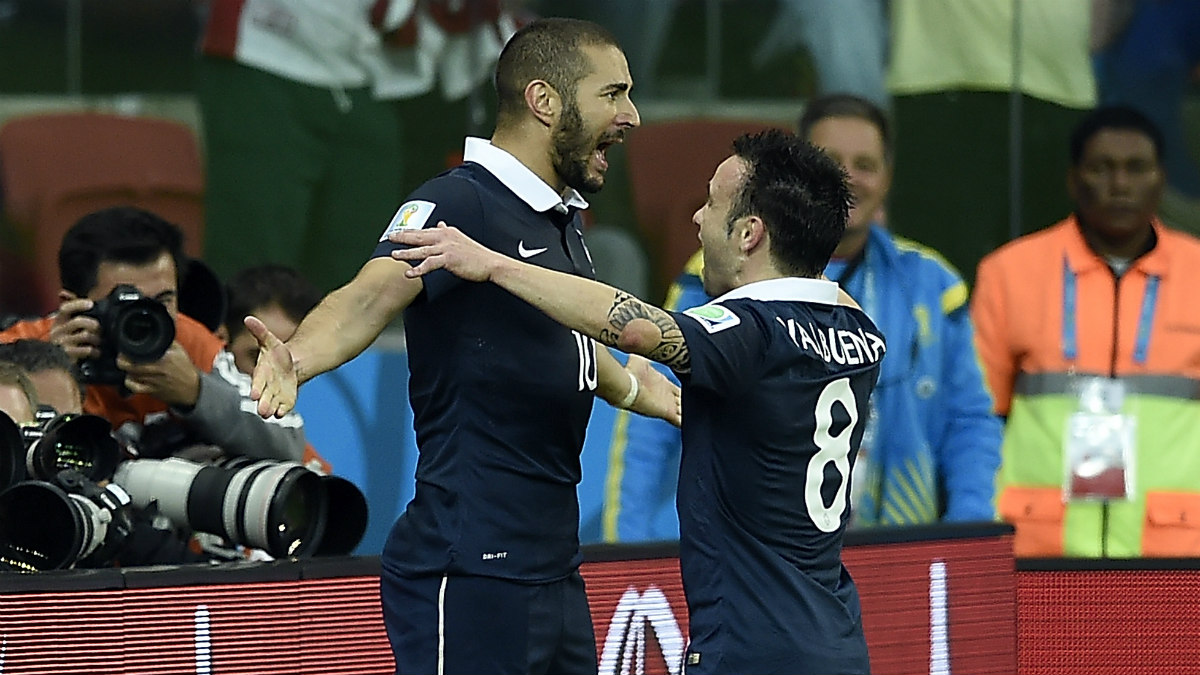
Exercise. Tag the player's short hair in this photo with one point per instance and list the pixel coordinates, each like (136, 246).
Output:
(546, 49)
(121, 234)
(1113, 117)
(256, 288)
(847, 105)
(800, 193)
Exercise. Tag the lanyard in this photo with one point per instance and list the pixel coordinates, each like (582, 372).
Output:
(1070, 335)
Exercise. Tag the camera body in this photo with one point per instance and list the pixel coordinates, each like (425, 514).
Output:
(132, 324)
(56, 442)
(54, 510)
(68, 494)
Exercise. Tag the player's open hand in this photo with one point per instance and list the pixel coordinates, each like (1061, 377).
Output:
(445, 247)
(658, 396)
(274, 384)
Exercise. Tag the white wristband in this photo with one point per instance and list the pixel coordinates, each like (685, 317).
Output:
(633, 392)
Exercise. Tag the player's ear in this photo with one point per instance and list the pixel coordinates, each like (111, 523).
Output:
(752, 233)
(543, 101)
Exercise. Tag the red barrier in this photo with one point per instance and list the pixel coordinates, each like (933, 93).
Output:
(935, 600)
(1135, 617)
(929, 605)
(284, 628)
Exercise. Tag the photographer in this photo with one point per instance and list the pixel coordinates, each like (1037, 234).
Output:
(190, 393)
(32, 502)
(18, 398)
(50, 370)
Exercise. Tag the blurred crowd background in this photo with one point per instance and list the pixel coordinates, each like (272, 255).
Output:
(744, 60)
(982, 96)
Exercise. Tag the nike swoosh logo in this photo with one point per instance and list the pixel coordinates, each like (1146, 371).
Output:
(529, 252)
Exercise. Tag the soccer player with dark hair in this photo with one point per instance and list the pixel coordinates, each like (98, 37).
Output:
(776, 373)
(480, 573)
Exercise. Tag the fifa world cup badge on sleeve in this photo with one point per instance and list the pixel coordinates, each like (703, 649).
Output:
(410, 216)
(714, 318)
(1098, 450)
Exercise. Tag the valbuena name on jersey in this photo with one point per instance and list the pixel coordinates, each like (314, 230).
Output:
(835, 344)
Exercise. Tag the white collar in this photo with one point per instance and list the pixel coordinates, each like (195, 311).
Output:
(787, 288)
(517, 177)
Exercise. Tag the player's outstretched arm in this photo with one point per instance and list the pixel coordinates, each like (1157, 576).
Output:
(607, 314)
(345, 323)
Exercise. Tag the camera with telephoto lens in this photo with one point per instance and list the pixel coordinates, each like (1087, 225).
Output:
(282, 508)
(67, 491)
(54, 512)
(141, 328)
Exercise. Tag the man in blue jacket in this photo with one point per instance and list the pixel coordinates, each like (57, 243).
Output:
(932, 445)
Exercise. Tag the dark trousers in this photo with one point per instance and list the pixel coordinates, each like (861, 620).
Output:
(292, 178)
(460, 624)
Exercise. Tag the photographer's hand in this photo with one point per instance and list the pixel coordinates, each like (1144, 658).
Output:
(78, 335)
(275, 382)
(174, 378)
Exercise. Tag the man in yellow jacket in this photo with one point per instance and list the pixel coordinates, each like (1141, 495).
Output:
(1091, 345)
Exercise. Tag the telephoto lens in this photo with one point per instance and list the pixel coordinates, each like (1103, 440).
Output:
(12, 452)
(279, 507)
(347, 519)
(55, 525)
(80, 442)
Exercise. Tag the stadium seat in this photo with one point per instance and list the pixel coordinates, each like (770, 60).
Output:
(57, 167)
(670, 164)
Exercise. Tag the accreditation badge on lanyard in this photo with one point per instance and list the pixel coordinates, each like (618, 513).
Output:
(1100, 443)
(1099, 448)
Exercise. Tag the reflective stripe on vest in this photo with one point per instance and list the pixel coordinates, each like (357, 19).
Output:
(1169, 386)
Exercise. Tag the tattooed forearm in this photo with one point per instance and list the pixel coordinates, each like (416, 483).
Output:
(626, 308)
(673, 354)
(670, 348)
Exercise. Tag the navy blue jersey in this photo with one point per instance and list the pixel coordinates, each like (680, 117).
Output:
(774, 409)
(501, 395)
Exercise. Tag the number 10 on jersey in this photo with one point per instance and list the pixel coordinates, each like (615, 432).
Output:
(587, 361)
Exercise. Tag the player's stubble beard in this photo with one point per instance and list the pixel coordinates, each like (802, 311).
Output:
(571, 151)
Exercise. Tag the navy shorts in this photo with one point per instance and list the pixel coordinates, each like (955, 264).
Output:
(470, 625)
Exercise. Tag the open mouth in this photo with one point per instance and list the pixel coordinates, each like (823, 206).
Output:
(599, 153)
